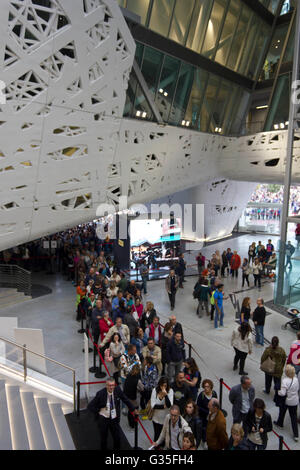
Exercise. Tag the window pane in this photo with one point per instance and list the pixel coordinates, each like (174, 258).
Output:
(130, 95)
(274, 53)
(139, 53)
(195, 113)
(139, 7)
(228, 31)
(279, 109)
(209, 100)
(161, 16)
(249, 46)
(213, 28)
(185, 82)
(238, 39)
(219, 106)
(151, 67)
(181, 20)
(167, 86)
(289, 51)
(198, 24)
(141, 106)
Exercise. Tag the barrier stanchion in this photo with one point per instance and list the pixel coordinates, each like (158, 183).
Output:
(93, 369)
(78, 399)
(136, 434)
(280, 442)
(221, 393)
(99, 374)
(81, 330)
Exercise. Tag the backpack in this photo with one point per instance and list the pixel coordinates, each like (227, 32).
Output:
(212, 298)
(196, 291)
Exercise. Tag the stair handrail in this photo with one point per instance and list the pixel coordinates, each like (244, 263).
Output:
(25, 350)
(24, 283)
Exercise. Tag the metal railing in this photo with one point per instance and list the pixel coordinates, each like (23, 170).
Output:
(13, 276)
(17, 360)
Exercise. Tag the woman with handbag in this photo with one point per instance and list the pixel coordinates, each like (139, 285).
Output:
(272, 363)
(288, 399)
(162, 399)
(242, 343)
(116, 349)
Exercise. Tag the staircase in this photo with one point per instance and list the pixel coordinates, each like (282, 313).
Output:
(30, 420)
(10, 297)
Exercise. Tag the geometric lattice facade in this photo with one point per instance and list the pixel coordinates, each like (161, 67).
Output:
(64, 146)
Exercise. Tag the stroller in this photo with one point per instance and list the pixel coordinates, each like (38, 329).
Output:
(295, 321)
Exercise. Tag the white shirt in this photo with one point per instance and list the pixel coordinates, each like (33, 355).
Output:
(290, 387)
(106, 411)
(174, 435)
(245, 401)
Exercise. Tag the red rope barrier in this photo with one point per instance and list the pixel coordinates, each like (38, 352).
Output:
(92, 383)
(100, 355)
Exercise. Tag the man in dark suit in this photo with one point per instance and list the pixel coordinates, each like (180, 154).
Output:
(106, 409)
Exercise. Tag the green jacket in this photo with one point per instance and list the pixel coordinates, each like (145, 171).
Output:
(277, 355)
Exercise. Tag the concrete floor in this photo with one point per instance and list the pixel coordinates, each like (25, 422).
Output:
(55, 314)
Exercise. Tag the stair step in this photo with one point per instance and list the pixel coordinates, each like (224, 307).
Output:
(16, 418)
(47, 424)
(7, 292)
(11, 296)
(34, 430)
(62, 429)
(7, 303)
(5, 435)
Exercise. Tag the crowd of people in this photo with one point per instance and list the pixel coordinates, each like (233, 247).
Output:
(151, 374)
(263, 194)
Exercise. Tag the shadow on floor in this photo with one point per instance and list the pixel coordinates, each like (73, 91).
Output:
(85, 433)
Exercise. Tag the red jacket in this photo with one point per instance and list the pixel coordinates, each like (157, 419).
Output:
(235, 262)
(104, 327)
(294, 356)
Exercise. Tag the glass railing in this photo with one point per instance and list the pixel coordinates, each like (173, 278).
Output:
(38, 370)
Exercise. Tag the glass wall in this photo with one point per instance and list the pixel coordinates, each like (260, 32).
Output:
(184, 95)
(287, 292)
(274, 54)
(279, 109)
(226, 31)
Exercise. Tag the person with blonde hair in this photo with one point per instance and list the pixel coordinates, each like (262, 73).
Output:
(290, 393)
(237, 439)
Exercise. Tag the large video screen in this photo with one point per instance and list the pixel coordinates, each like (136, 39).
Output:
(153, 231)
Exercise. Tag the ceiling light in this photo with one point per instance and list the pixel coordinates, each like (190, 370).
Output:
(138, 113)
(183, 123)
(161, 90)
(264, 106)
(144, 114)
(276, 126)
(165, 93)
(187, 123)
(281, 125)
(286, 123)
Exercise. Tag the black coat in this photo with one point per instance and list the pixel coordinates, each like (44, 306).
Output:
(265, 424)
(100, 401)
(144, 322)
(241, 446)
